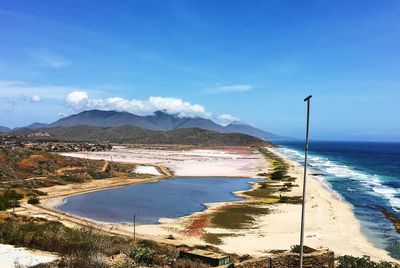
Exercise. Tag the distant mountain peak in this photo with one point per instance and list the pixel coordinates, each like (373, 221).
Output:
(37, 125)
(160, 120)
(239, 123)
(4, 129)
(163, 112)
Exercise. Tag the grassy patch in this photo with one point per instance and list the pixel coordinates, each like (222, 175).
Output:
(290, 199)
(306, 249)
(214, 239)
(264, 191)
(278, 182)
(277, 162)
(269, 200)
(238, 216)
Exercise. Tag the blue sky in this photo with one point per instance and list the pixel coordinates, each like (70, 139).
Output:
(253, 60)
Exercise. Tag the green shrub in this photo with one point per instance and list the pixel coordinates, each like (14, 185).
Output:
(75, 178)
(12, 195)
(288, 184)
(148, 244)
(306, 249)
(290, 199)
(9, 198)
(362, 262)
(33, 200)
(98, 175)
(142, 255)
(277, 175)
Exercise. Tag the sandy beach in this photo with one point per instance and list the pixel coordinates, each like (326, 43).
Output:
(330, 222)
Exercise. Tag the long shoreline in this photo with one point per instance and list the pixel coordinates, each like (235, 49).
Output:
(329, 226)
(343, 218)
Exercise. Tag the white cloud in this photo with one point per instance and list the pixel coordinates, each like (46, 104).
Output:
(79, 100)
(228, 89)
(45, 57)
(226, 119)
(36, 98)
(15, 93)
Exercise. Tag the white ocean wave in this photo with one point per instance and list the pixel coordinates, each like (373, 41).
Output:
(373, 183)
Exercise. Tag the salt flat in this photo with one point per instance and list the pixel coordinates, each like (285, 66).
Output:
(224, 161)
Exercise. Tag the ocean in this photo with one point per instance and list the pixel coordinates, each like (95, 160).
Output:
(365, 174)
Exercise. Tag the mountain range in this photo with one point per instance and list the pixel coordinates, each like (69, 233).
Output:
(4, 129)
(159, 121)
(135, 135)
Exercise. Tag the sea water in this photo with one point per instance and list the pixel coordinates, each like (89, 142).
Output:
(365, 174)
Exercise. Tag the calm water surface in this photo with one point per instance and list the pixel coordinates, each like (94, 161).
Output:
(171, 198)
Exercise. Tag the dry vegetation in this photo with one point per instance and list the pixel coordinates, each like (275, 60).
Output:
(242, 215)
(24, 170)
(275, 184)
(87, 247)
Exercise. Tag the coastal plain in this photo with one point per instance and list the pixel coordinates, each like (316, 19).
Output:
(330, 221)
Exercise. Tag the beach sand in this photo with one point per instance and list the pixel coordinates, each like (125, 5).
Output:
(330, 222)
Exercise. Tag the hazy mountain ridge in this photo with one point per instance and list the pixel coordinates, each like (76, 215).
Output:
(4, 129)
(240, 127)
(37, 125)
(136, 135)
(104, 119)
(159, 121)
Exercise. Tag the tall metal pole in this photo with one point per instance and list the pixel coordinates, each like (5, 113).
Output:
(303, 207)
(134, 229)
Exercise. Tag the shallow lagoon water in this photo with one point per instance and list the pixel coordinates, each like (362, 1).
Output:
(150, 201)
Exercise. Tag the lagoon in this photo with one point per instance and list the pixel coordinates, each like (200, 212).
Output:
(150, 201)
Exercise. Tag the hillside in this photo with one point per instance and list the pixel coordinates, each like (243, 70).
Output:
(238, 127)
(37, 125)
(135, 135)
(4, 129)
(160, 121)
(99, 118)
